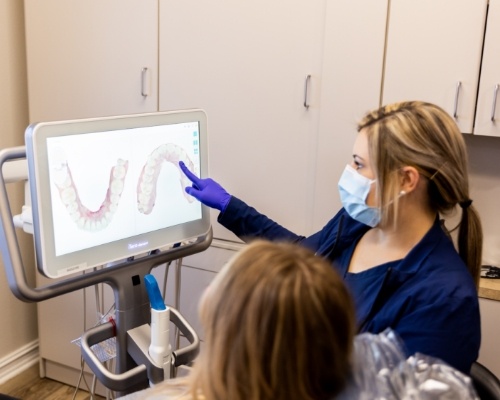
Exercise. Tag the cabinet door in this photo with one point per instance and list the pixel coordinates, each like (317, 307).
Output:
(60, 321)
(351, 81)
(86, 58)
(488, 103)
(246, 64)
(184, 291)
(434, 54)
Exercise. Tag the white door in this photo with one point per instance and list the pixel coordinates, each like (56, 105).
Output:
(351, 80)
(488, 103)
(434, 54)
(246, 64)
(91, 58)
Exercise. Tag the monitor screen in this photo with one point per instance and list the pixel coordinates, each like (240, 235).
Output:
(107, 189)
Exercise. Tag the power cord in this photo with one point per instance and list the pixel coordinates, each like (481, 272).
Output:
(101, 317)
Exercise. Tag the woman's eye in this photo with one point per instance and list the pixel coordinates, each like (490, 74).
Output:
(357, 165)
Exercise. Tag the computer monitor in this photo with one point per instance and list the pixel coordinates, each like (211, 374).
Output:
(107, 189)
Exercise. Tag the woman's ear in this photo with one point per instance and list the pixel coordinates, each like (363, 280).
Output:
(409, 179)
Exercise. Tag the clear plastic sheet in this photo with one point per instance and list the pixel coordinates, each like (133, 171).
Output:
(381, 371)
(104, 351)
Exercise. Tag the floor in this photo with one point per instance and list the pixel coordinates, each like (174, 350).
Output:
(29, 386)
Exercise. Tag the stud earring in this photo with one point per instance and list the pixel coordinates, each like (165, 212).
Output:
(402, 193)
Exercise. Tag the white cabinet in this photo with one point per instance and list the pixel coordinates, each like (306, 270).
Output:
(488, 104)
(353, 57)
(60, 321)
(282, 90)
(197, 272)
(246, 64)
(434, 54)
(91, 58)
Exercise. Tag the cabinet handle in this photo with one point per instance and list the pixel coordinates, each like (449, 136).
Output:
(306, 90)
(495, 92)
(457, 93)
(144, 83)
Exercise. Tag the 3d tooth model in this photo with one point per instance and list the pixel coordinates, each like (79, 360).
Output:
(98, 220)
(84, 218)
(146, 187)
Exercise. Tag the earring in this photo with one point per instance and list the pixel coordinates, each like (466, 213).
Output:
(402, 193)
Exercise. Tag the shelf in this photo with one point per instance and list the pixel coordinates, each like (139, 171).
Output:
(489, 289)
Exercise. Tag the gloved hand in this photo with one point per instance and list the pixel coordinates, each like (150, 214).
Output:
(206, 190)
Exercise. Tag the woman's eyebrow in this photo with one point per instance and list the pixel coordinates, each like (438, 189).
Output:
(355, 156)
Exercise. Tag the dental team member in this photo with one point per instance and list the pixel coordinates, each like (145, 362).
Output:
(409, 167)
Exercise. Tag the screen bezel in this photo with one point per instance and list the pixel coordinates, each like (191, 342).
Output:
(36, 136)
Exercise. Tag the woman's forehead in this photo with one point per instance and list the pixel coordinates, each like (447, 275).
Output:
(360, 148)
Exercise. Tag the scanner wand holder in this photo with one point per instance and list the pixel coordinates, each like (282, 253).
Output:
(160, 350)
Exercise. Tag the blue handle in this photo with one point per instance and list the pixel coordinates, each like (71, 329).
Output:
(154, 294)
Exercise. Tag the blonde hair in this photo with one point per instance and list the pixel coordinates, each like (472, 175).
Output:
(279, 324)
(424, 136)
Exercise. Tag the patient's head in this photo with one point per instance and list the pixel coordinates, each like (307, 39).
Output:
(278, 324)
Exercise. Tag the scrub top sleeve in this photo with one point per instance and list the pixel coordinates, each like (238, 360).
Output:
(247, 223)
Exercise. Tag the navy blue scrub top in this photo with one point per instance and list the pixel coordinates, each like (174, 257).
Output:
(363, 286)
(428, 298)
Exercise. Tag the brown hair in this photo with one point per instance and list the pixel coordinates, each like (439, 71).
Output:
(279, 324)
(424, 136)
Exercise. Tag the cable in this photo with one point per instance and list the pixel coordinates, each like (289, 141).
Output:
(177, 303)
(80, 378)
(165, 279)
(100, 318)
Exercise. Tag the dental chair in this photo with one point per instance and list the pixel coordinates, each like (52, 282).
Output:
(485, 382)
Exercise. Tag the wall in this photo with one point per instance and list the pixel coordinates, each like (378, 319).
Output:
(485, 190)
(18, 336)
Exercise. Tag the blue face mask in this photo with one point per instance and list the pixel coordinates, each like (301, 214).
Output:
(354, 189)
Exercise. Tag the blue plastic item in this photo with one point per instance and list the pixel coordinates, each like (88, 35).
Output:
(154, 294)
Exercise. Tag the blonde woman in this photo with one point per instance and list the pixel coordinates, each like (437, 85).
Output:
(408, 169)
(278, 324)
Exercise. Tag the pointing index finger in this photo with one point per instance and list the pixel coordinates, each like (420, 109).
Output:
(192, 177)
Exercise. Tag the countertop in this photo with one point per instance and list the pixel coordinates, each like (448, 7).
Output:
(489, 289)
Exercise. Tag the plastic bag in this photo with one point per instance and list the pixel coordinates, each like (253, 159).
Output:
(381, 371)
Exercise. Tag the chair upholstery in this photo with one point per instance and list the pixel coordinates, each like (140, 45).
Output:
(485, 382)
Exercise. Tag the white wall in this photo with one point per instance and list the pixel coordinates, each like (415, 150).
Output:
(489, 354)
(18, 320)
(484, 155)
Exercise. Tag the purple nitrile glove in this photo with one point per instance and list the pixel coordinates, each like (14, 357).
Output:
(206, 190)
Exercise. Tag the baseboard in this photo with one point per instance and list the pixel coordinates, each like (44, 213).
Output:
(18, 361)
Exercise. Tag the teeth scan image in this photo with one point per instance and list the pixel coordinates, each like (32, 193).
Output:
(111, 189)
